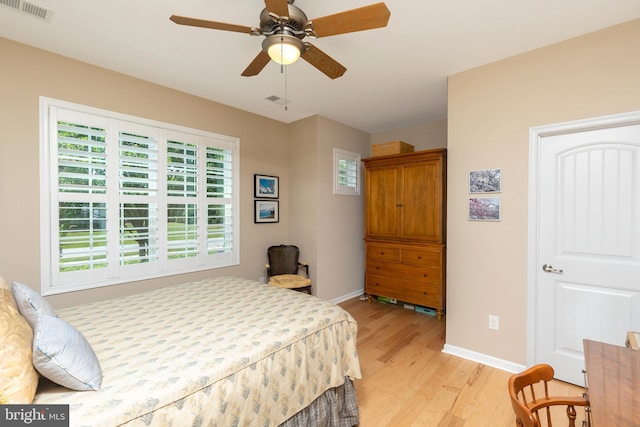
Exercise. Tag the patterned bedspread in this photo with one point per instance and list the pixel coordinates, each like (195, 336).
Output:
(221, 352)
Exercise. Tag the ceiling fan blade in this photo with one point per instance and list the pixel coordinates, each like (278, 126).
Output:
(323, 62)
(258, 63)
(278, 7)
(193, 22)
(363, 18)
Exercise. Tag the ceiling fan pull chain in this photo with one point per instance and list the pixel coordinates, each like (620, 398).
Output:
(286, 94)
(283, 70)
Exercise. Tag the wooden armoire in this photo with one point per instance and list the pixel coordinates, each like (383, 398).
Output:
(405, 214)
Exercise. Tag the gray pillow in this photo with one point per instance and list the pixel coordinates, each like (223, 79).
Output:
(62, 354)
(30, 303)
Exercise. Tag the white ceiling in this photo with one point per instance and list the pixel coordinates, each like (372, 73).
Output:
(396, 76)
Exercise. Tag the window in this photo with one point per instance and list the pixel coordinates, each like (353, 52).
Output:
(346, 172)
(125, 198)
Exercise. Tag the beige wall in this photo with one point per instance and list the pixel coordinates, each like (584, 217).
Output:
(328, 227)
(424, 136)
(491, 110)
(303, 170)
(340, 224)
(28, 73)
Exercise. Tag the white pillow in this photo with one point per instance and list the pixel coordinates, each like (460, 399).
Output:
(30, 303)
(62, 354)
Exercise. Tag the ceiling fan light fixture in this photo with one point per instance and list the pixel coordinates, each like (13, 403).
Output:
(283, 48)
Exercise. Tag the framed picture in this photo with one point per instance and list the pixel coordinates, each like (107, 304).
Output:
(266, 211)
(485, 181)
(484, 209)
(266, 187)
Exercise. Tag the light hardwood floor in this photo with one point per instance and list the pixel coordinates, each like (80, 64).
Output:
(408, 381)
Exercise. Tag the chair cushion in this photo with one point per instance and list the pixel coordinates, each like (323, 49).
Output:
(289, 281)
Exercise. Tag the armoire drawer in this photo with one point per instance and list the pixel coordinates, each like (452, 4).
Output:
(383, 253)
(427, 258)
(402, 271)
(404, 290)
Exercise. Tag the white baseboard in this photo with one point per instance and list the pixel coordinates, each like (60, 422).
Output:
(494, 362)
(343, 298)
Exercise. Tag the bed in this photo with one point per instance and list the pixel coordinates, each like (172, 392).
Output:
(220, 352)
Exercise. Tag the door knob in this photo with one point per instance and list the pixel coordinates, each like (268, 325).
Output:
(548, 268)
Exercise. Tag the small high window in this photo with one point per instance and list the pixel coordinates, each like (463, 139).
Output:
(346, 172)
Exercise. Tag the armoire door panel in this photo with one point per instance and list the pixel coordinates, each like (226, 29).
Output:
(382, 202)
(421, 186)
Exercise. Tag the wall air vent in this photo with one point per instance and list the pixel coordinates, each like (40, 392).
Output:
(28, 9)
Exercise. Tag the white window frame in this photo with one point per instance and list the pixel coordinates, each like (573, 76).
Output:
(55, 282)
(353, 159)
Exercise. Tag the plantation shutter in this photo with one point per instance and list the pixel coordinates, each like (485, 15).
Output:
(138, 201)
(220, 179)
(346, 172)
(80, 193)
(132, 199)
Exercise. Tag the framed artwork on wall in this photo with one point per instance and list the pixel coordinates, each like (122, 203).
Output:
(485, 181)
(266, 211)
(266, 186)
(484, 209)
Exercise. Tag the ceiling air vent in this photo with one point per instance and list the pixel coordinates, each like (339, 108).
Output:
(28, 9)
(276, 99)
(35, 10)
(15, 4)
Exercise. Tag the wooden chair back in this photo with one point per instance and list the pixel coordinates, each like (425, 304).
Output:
(531, 403)
(283, 259)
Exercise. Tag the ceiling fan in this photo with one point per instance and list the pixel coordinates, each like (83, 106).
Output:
(285, 26)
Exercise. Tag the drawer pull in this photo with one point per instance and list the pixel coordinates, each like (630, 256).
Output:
(425, 275)
(381, 252)
(377, 267)
(419, 256)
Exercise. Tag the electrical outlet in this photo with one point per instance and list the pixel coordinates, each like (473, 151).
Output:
(494, 322)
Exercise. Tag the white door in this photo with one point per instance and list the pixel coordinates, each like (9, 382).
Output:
(588, 239)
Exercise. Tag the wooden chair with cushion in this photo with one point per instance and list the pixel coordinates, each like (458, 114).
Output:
(529, 393)
(283, 269)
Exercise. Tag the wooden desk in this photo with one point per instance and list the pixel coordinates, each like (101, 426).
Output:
(613, 383)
